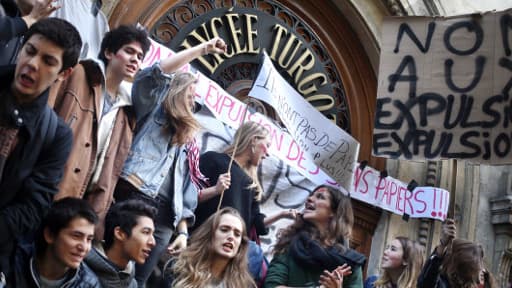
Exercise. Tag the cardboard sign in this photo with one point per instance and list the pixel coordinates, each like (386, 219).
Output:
(444, 89)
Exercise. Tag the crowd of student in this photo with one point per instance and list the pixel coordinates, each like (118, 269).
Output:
(99, 180)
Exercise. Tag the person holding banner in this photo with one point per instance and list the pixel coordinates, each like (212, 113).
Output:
(250, 146)
(455, 263)
(216, 256)
(313, 251)
(401, 265)
(486, 279)
(161, 168)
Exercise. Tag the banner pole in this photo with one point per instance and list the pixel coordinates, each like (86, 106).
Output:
(233, 155)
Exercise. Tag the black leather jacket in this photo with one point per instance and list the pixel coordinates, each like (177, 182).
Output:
(431, 276)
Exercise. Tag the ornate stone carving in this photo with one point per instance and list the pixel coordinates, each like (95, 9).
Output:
(395, 7)
(501, 212)
(425, 225)
(505, 268)
(184, 12)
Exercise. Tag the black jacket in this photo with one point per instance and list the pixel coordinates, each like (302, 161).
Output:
(13, 28)
(212, 164)
(33, 169)
(108, 273)
(431, 276)
(27, 276)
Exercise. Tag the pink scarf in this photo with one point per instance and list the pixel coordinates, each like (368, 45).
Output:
(197, 178)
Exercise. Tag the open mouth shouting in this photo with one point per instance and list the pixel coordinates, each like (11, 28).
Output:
(132, 69)
(26, 81)
(228, 247)
(309, 207)
(146, 253)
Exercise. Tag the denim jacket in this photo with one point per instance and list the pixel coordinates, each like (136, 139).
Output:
(151, 155)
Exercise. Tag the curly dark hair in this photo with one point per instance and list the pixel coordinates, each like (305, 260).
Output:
(120, 36)
(125, 215)
(339, 227)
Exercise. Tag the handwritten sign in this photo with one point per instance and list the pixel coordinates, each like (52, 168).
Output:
(332, 149)
(366, 185)
(393, 195)
(230, 111)
(444, 89)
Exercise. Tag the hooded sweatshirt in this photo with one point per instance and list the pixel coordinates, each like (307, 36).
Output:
(108, 273)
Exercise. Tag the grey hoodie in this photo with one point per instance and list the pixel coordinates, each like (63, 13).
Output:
(108, 273)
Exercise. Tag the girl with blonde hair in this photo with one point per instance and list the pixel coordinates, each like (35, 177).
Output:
(162, 166)
(401, 265)
(243, 190)
(216, 256)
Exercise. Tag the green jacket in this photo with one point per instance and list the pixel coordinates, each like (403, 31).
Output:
(283, 270)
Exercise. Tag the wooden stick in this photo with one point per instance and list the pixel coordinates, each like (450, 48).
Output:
(233, 155)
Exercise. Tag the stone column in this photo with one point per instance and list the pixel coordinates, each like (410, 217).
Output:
(501, 218)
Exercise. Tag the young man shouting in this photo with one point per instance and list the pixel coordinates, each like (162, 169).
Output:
(128, 238)
(34, 142)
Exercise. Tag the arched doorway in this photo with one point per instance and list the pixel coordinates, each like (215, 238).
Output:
(320, 26)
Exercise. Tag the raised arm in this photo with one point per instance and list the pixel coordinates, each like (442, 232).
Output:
(16, 26)
(40, 10)
(283, 214)
(431, 269)
(173, 63)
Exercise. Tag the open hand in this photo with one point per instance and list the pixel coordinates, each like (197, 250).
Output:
(40, 10)
(334, 279)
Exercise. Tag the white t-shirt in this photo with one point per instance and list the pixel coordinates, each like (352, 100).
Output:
(91, 28)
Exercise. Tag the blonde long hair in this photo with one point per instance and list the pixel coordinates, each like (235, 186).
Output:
(181, 118)
(194, 263)
(246, 134)
(413, 255)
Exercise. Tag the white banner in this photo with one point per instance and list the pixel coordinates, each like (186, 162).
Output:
(331, 148)
(230, 111)
(393, 195)
(285, 188)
